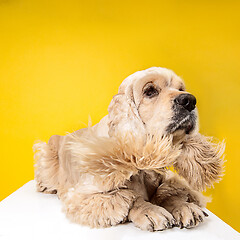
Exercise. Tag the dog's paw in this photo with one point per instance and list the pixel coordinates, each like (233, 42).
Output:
(188, 215)
(41, 188)
(153, 218)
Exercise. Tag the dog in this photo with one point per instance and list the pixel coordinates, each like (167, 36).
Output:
(145, 162)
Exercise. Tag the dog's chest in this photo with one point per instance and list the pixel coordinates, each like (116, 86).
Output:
(145, 183)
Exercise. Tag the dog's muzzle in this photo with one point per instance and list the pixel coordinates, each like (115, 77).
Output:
(184, 116)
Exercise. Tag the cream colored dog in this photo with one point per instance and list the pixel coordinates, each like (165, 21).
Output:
(118, 169)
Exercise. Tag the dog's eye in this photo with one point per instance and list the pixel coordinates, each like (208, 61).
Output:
(181, 89)
(150, 92)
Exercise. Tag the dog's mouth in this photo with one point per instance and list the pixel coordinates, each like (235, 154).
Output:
(185, 122)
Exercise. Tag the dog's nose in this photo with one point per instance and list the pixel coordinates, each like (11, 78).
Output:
(188, 101)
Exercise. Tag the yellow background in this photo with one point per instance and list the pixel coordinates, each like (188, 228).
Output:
(61, 61)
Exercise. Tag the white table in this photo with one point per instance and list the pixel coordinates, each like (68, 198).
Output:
(27, 214)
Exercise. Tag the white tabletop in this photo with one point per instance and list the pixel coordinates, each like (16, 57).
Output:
(27, 214)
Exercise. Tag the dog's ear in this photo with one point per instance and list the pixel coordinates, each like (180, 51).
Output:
(201, 161)
(123, 113)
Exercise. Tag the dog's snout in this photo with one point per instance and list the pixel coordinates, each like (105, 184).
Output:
(188, 101)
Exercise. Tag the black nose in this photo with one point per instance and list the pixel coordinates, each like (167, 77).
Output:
(188, 101)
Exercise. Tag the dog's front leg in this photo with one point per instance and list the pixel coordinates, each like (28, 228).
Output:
(150, 217)
(98, 209)
(181, 201)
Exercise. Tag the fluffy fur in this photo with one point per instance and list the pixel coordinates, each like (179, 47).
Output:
(118, 170)
(200, 162)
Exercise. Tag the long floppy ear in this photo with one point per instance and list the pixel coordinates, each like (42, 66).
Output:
(123, 114)
(201, 161)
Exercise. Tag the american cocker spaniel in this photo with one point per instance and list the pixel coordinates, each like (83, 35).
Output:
(144, 162)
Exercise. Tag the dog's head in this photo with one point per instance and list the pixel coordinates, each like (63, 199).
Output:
(153, 101)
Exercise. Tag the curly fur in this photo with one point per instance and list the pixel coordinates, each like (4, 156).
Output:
(201, 161)
(46, 167)
(118, 169)
(112, 161)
